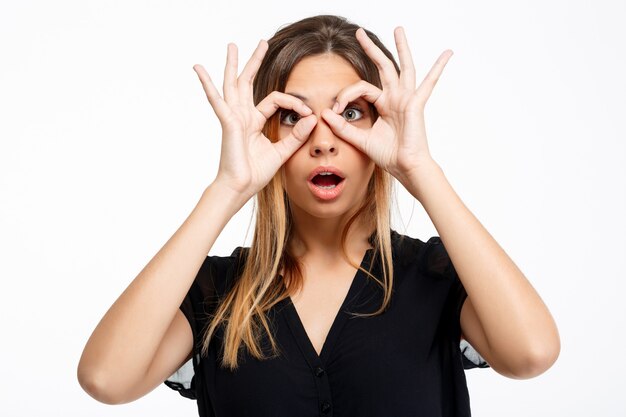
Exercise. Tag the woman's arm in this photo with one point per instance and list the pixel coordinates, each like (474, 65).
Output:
(142, 336)
(503, 317)
(116, 360)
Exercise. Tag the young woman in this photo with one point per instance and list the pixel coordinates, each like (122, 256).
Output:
(329, 311)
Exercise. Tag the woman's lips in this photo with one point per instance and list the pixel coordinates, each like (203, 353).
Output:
(320, 169)
(326, 194)
(326, 180)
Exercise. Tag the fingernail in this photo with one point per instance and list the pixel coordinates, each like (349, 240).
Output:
(306, 109)
(336, 106)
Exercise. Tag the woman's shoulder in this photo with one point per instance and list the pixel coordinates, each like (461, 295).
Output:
(218, 272)
(428, 254)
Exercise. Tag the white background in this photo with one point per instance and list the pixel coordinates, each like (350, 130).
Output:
(107, 141)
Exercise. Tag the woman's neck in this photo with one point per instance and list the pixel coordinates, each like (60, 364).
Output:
(322, 240)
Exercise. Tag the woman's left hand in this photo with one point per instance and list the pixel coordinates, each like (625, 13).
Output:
(397, 140)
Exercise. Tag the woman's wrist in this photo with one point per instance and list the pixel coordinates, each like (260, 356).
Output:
(227, 195)
(416, 179)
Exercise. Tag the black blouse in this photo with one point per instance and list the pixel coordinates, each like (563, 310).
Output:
(409, 361)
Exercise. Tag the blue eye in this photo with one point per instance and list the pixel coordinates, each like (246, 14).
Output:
(285, 114)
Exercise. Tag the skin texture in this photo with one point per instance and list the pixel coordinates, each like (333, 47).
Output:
(319, 79)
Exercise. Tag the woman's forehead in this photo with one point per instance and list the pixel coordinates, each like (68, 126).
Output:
(322, 65)
(320, 74)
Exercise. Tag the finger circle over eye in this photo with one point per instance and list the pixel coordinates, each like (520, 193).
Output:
(354, 91)
(276, 100)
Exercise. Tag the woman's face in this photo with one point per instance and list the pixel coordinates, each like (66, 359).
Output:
(317, 80)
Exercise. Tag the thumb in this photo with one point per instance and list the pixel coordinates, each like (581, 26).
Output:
(288, 145)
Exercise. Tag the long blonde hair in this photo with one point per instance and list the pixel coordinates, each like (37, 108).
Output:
(260, 286)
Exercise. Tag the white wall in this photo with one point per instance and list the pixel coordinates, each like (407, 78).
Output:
(107, 141)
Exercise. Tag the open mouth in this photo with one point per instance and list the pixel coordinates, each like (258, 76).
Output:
(326, 181)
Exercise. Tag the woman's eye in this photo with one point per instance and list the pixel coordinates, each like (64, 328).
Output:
(350, 111)
(285, 115)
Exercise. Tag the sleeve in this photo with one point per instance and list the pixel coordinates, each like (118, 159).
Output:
(211, 282)
(439, 263)
(471, 358)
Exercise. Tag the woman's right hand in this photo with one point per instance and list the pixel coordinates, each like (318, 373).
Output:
(248, 159)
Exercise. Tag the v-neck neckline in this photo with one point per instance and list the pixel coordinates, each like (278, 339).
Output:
(299, 332)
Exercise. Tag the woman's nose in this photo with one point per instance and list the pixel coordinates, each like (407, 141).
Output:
(322, 140)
